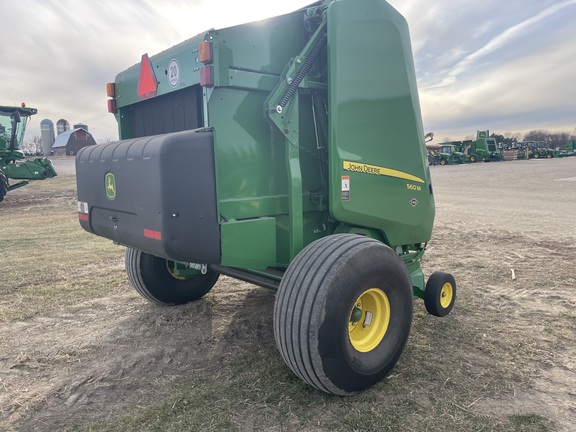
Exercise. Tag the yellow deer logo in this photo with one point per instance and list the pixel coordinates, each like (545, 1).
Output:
(110, 186)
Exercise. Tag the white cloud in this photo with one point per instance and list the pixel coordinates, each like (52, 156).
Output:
(514, 76)
(477, 62)
(509, 36)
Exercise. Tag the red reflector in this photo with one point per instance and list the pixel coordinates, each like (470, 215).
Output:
(83, 217)
(147, 83)
(156, 235)
(206, 76)
(111, 106)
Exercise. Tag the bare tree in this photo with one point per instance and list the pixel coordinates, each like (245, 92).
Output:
(550, 139)
(516, 136)
(558, 139)
(539, 135)
(33, 146)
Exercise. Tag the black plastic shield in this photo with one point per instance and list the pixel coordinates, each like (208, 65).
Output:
(156, 194)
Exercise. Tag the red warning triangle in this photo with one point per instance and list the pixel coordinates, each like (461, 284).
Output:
(147, 84)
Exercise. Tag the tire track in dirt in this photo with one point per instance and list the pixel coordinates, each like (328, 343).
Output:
(123, 349)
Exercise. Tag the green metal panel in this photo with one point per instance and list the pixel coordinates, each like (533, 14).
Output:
(247, 56)
(249, 243)
(260, 173)
(262, 48)
(185, 53)
(252, 164)
(379, 176)
(247, 165)
(37, 169)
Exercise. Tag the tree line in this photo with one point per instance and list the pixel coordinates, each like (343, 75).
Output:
(550, 139)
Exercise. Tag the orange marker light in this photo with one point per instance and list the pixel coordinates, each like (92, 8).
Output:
(110, 90)
(205, 52)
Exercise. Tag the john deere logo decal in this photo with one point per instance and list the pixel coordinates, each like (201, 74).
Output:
(110, 186)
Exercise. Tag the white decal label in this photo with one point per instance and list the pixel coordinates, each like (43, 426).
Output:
(173, 73)
(345, 188)
(368, 319)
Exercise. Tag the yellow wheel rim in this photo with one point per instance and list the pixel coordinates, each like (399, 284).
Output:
(446, 295)
(170, 267)
(369, 320)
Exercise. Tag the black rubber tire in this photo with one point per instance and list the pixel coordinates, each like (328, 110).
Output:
(442, 161)
(473, 158)
(435, 291)
(151, 278)
(313, 308)
(3, 185)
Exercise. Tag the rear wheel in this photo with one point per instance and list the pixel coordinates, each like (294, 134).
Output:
(3, 185)
(343, 313)
(473, 158)
(442, 161)
(440, 294)
(153, 278)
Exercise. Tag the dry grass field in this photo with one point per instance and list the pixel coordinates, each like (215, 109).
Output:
(80, 351)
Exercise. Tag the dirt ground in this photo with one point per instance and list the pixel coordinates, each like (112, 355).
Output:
(90, 361)
(518, 215)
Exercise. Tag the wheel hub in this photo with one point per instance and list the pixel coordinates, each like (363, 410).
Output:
(369, 320)
(446, 295)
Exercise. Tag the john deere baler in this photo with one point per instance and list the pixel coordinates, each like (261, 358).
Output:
(288, 153)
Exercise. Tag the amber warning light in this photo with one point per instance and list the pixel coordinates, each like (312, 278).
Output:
(111, 93)
(110, 90)
(205, 52)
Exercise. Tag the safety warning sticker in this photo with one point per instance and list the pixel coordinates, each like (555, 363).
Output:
(345, 188)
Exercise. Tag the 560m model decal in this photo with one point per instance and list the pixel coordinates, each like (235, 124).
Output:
(376, 170)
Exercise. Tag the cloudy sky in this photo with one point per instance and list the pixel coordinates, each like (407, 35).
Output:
(507, 66)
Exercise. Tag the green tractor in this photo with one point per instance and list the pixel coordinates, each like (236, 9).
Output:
(449, 155)
(483, 148)
(539, 150)
(13, 165)
(569, 148)
(288, 153)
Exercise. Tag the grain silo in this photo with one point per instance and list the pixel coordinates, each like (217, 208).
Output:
(81, 125)
(47, 134)
(62, 126)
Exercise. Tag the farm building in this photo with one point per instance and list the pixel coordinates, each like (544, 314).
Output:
(68, 143)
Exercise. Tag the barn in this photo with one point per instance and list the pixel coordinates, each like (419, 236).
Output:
(68, 143)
